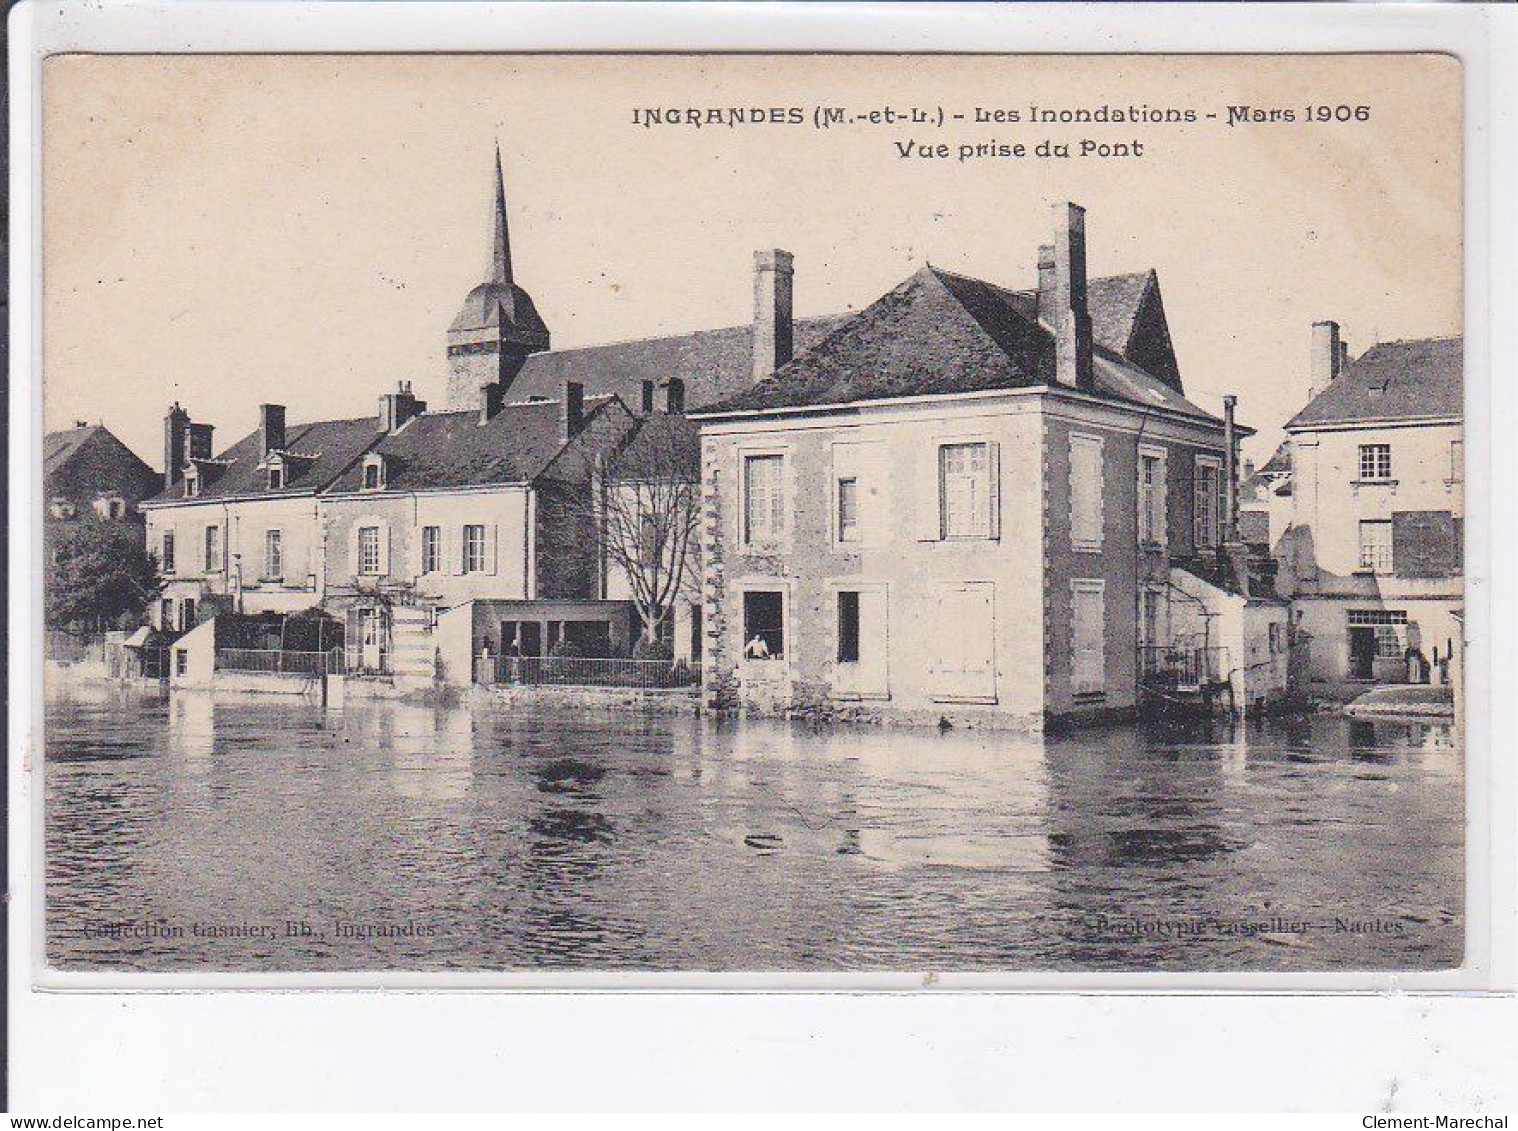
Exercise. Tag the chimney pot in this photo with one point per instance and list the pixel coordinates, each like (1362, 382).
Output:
(1326, 358)
(1069, 316)
(572, 409)
(774, 281)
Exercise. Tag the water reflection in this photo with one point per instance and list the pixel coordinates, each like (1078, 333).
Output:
(419, 837)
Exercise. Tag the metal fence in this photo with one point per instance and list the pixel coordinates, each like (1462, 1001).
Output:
(1183, 667)
(568, 671)
(280, 662)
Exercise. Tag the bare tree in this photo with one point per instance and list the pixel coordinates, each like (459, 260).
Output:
(639, 501)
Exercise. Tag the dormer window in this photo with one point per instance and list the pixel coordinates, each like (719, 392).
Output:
(374, 472)
(276, 476)
(61, 508)
(191, 483)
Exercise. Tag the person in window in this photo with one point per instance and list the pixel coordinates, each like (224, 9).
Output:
(757, 648)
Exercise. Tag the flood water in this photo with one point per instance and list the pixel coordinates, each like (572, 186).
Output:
(263, 833)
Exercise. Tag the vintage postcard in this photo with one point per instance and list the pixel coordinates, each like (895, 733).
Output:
(721, 514)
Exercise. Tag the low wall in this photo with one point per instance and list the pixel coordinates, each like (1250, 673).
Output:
(267, 683)
(680, 701)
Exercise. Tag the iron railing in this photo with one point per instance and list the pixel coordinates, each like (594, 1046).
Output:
(1183, 667)
(573, 671)
(280, 662)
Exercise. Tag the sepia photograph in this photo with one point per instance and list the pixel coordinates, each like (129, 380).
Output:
(718, 514)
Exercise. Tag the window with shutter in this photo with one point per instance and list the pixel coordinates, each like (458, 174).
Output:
(1206, 488)
(1088, 660)
(763, 498)
(1151, 496)
(964, 476)
(1086, 492)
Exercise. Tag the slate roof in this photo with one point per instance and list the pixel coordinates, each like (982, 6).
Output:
(713, 364)
(335, 444)
(942, 333)
(453, 449)
(84, 462)
(1410, 380)
(658, 441)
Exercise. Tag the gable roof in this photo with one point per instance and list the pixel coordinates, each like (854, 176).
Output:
(660, 444)
(1408, 380)
(453, 449)
(713, 364)
(330, 445)
(89, 460)
(942, 333)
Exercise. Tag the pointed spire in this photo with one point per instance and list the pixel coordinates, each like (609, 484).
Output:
(500, 244)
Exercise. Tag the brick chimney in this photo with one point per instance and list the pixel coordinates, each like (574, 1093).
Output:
(648, 398)
(1326, 360)
(572, 409)
(774, 275)
(398, 407)
(1069, 317)
(1046, 284)
(674, 396)
(176, 429)
(271, 428)
(492, 396)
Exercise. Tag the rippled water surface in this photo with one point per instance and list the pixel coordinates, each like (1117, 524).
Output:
(267, 834)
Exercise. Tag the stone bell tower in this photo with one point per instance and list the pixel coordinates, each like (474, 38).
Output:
(497, 327)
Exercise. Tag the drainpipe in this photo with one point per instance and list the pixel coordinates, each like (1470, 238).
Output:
(1230, 472)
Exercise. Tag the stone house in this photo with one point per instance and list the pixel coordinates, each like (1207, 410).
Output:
(242, 531)
(88, 475)
(965, 502)
(1373, 556)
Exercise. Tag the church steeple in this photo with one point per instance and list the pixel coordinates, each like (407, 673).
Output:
(498, 326)
(500, 242)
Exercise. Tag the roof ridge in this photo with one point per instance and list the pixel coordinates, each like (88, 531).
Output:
(683, 334)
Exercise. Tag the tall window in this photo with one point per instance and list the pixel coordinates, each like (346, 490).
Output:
(1205, 499)
(848, 509)
(166, 559)
(1390, 627)
(371, 477)
(763, 498)
(1375, 461)
(369, 550)
(1088, 652)
(276, 477)
(432, 549)
(213, 549)
(474, 549)
(274, 554)
(1151, 497)
(166, 615)
(848, 627)
(964, 482)
(1376, 546)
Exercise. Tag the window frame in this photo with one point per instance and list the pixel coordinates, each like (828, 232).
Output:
(848, 532)
(1154, 498)
(841, 638)
(276, 476)
(1097, 587)
(779, 502)
(431, 550)
(468, 544)
(780, 589)
(1082, 540)
(1377, 458)
(980, 479)
(166, 562)
(213, 561)
(363, 535)
(1211, 467)
(1378, 558)
(274, 538)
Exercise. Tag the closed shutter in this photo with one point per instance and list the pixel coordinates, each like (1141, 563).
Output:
(353, 566)
(492, 540)
(413, 551)
(925, 490)
(873, 677)
(1086, 504)
(453, 550)
(964, 664)
(993, 492)
(875, 496)
(1088, 664)
(384, 549)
